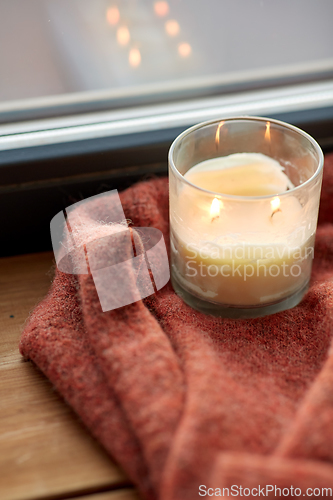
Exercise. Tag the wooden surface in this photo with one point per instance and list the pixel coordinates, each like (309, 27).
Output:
(45, 451)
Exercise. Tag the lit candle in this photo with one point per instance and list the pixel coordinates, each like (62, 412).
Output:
(214, 258)
(242, 225)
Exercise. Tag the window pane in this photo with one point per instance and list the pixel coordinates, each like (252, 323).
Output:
(64, 51)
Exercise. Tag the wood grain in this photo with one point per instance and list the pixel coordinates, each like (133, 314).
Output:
(24, 281)
(126, 494)
(45, 451)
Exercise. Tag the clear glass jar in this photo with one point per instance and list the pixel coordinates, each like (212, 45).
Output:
(243, 256)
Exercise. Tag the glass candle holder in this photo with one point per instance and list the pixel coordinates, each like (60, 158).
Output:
(244, 199)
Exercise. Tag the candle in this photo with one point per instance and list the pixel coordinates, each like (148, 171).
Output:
(244, 197)
(244, 174)
(214, 259)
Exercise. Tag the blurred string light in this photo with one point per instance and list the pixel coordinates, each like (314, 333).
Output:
(134, 57)
(184, 49)
(123, 35)
(161, 8)
(172, 27)
(113, 15)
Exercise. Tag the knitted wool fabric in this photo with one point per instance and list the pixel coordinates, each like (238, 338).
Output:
(181, 399)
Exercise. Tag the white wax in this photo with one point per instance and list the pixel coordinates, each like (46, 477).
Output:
(242, 174)
(241, 232)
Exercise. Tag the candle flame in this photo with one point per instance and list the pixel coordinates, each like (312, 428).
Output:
(275, 204)
(268, 132)
(215, 208)
(217, 136)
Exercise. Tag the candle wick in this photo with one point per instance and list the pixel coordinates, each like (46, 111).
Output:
(214, 218)
(277, 210)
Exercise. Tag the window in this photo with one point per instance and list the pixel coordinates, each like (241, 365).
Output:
(92, 91)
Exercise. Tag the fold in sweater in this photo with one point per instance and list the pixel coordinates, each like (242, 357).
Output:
(181, 399)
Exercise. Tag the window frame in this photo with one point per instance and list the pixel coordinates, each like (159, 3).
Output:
(47, 164)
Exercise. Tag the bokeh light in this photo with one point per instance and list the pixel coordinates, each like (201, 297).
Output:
(161, 8)
(184, 49)
(123, 35)
(134, 58)
(113, 15)
(172, 27)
